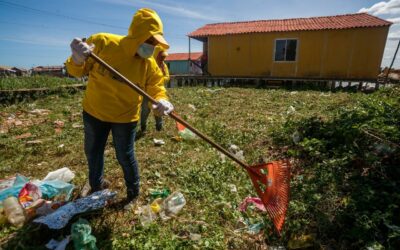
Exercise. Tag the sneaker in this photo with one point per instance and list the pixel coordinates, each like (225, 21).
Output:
(87, 190)
(130, 205)
(131, 199)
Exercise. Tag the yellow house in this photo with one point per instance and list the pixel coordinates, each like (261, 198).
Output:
(343, 47)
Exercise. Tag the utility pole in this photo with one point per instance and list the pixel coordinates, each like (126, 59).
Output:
(391, 65)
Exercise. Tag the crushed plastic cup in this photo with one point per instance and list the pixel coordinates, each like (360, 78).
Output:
(174, 203)
(14, 212)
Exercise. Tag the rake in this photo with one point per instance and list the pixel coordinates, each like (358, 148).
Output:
(270, 180)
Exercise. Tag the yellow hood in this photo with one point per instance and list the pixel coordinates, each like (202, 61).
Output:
(145, 23)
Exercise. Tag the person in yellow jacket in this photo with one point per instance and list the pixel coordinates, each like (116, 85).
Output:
(111, 105)
(144, 114)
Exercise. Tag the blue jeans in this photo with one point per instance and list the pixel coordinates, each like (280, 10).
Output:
(96, 134)
(144, 114)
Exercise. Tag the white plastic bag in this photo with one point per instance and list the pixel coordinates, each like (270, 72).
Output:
(63, 174)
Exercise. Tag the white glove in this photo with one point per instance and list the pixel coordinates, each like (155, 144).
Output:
(163, 107)
(80, 51)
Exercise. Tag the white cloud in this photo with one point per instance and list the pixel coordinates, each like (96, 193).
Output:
(394, 35)
(394, 20)
(171, 9)
(392, 7)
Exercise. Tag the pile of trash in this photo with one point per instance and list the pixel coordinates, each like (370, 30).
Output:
(163, 205)
(48, 202)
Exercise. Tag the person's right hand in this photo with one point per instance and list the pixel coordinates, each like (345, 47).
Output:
(80, 51)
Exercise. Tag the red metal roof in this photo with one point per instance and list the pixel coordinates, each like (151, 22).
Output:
(184, 56)
(359, 20)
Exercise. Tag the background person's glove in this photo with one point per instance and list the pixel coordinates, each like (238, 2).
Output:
(80, 51)
(163, 107)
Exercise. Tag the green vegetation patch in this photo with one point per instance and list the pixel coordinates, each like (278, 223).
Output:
(344, 179)
(34, 82)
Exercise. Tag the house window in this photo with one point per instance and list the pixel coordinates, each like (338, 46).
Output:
(285, 50)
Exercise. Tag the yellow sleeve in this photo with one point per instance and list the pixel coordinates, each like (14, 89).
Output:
(166, 75)
(82, 70)
(155, 82)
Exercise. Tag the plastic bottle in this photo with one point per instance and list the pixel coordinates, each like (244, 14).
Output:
(147, 215)
(174, 203)
(14, 212)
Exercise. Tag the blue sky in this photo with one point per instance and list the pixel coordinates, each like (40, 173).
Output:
(39, 32)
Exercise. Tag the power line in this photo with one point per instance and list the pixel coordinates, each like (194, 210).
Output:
(14, 5)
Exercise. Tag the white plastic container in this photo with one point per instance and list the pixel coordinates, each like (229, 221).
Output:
(14, 212)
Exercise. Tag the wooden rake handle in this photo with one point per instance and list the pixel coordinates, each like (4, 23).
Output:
(172, 114)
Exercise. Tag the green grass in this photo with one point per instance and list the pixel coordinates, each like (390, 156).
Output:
(259, 121)
(31, 82)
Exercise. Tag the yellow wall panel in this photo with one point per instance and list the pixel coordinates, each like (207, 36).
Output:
(352, 53)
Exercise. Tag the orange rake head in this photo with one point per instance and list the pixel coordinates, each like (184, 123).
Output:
(272, 183)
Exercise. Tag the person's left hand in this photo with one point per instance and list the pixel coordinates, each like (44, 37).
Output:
(163, 107)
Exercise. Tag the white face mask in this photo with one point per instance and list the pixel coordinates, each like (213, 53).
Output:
(145, 50)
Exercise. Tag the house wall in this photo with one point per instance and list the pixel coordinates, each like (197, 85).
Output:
(182, 68)
(338, 54)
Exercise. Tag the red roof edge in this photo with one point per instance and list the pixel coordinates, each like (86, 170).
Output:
(345, 21)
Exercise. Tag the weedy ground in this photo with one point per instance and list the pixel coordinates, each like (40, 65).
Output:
(261, 122)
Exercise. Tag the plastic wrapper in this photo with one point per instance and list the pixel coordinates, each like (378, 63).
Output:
(81, 235)
(49, 189)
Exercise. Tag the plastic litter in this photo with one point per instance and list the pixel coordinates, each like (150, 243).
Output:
(296, 137)
(59, 189)
(156, 205)
(146, 215)
(192, 107)
(236, 151)
(174, 203)
(60, 218)
(291, 110)
(195, 237)
(255, 228)
(58, 245)
(233, 188)
(301, 242)
(159, 193)
(63, 174)
(40, 112)
(13, 190)
(48, 207)
(252, 200)
(158, 142)
(82, 237)
(6, 183)
(28, 194)
(14, 212)
(185, 133)
(49, 189)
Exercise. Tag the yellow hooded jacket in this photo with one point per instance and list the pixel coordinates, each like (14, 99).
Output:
(106, 97)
